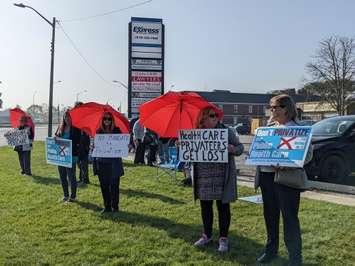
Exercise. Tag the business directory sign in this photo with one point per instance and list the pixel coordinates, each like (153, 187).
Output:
(145, 62)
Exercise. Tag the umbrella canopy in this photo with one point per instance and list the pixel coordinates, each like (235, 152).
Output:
(173, 111)
(16, 114)
(87, 117)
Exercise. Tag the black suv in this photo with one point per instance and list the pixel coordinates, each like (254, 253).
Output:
(334, 149)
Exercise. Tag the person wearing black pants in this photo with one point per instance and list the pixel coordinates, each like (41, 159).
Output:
(67, 131)
(83, 159)
(278, 198)
(216, 181)
(24, 151)
(224, 217)
(109, 169)
(138, 134)
(280, 195)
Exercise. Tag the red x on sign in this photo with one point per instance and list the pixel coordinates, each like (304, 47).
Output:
(286, 142)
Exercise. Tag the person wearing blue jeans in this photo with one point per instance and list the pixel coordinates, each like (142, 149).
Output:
(67, 131)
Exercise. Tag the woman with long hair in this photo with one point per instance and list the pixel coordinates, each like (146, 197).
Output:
(67, 131)
(24, 151)
(216, 181)
(278, 197)
(109, 169)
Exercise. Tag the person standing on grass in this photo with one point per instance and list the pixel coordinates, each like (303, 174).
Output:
(83, 158)
(24, 151)
(216, 181)
(138, 134)
(277, 197)
(67, 131)
(109, 169)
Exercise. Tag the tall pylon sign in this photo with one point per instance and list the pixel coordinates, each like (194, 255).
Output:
(145, 62)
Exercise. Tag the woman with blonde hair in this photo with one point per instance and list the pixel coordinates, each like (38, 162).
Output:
(280, 197)
(216, 181)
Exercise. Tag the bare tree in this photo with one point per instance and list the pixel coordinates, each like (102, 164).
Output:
(333, 71)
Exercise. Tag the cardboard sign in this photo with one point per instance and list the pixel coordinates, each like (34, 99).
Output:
(111, 145)
(16, 137)
(203, 145)
(59, 152)
(283, 146)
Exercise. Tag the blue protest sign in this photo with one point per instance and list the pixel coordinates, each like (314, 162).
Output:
(59, 152)
(283, 146)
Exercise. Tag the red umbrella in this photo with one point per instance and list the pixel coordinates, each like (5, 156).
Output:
(87, 117)
(16, 114)
(173, 111)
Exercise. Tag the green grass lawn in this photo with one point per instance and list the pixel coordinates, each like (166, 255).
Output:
(157, 223)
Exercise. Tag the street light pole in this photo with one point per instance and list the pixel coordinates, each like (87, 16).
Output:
(50, 105)
(77, 95)
(33, 98)
(123, 85)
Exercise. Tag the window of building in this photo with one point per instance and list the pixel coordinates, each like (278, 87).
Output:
(250, 109)
(236, 108)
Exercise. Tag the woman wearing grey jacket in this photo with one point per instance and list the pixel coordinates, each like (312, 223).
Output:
(216, 181)
(282, 198)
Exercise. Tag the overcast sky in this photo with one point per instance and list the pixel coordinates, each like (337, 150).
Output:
(245, 46)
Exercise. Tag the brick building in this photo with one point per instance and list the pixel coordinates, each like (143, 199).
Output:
(242, 107)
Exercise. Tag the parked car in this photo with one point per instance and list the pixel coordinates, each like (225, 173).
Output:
(242, 128)
(334, 149)
(306, 122)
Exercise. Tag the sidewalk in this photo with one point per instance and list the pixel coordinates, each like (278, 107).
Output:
(332, 197)
(338, 198)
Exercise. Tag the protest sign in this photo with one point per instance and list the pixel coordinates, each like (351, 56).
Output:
(59, 152)
(282, 146)
(16, 137)
(258, 199)
(110, 145)
(203, 145)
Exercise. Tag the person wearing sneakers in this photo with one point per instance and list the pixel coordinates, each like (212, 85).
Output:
(216, 181)
(282, 198)
(67, 131)
(109, 169)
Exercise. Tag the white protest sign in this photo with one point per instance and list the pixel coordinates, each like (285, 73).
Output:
(16, 137)
(110, 145)
(203, 145)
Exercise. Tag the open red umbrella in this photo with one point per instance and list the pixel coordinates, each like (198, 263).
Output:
(87, 117)
(173, 111)
(16, 114)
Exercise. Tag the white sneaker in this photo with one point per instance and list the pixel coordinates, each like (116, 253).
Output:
(203, 241)
(223, 244)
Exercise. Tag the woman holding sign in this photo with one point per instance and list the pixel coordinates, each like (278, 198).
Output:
(278, 196)
(216, 181)
(109, 169)
(24, 151)
(67, 131)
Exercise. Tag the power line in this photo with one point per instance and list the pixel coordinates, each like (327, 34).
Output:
(82, 56)
(107, 13)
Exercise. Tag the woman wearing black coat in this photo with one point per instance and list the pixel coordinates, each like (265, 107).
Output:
(24, 151)
(109, 169)
(67, 131)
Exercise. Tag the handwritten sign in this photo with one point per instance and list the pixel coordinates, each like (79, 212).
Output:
(16, 137)
(59, 152)
(110, 145)
(204, 145)
(285, 146)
